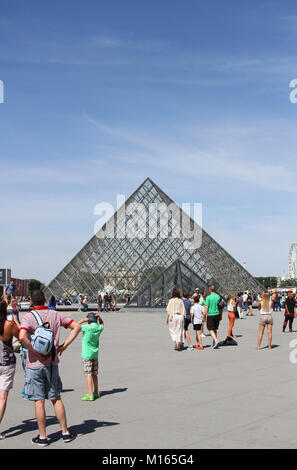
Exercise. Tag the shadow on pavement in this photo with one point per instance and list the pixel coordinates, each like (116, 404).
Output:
(114, 390)
(88, 426)
(27, 426)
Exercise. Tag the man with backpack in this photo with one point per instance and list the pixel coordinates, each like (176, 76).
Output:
(40, 334)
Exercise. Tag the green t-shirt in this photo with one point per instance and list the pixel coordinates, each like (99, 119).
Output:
(90, 340)
(202, 301)
(212, 301)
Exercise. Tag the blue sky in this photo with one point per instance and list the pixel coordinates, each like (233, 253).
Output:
(101, 94)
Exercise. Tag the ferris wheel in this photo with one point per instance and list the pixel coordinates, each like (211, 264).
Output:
(292, 274)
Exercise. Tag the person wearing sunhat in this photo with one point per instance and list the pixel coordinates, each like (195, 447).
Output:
(90, 350)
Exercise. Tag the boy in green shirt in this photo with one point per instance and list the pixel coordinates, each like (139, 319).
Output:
(90, 349)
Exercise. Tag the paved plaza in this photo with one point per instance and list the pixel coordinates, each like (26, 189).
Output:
(155, 397)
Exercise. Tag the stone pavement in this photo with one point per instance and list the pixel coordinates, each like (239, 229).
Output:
(155, 397)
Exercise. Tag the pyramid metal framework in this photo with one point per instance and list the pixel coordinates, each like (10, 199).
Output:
(178, 275)
(134, 265)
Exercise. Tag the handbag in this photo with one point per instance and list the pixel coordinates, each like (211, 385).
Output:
(16, 345)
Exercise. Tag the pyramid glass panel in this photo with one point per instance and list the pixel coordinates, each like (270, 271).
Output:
(144, 258)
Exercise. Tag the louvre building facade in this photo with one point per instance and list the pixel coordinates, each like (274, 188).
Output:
(145, 250)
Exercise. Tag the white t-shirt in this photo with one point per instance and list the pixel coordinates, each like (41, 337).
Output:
(197, 311)
(244, 297)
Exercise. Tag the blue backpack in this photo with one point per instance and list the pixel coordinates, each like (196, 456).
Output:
(43, 338)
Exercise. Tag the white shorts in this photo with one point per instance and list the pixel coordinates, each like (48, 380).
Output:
(6, 377)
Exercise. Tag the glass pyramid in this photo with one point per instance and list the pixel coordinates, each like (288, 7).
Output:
(129, 259)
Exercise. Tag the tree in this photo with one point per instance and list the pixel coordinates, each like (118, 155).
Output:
(268, 281)
(289, 283)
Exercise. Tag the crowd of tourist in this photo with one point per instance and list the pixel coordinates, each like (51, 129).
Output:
(199, 310)
(205, 309)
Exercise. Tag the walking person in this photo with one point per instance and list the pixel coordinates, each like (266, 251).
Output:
(250, 305)
(188, 320)
(79, 300)
(231, 308)
(266, 309)
(239, 303)
(113, 303)
(85, 304)
(290, 305)
(10, 289)
(100, 301)
(106, 302)
(213, 315)
(196, 316)
(175, 317)
(52, 303)
(90, 350)
(244, 302)
(8, 330)
(202, 303)
(12, 307)
(278, 302)
(42, 372)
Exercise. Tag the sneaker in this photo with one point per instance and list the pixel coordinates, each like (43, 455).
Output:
(2, 436)
(200, 347)
(189, 348)
(203, 335)
(22, 392)
(25, 397)
(87, 398)
(96, 395)
(40, 442)
(215, 345)
(68, 437)
(195, 346)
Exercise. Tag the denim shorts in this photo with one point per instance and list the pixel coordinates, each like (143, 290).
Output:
(43, 383)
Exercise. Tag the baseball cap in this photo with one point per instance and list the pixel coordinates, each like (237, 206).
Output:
(92, 317)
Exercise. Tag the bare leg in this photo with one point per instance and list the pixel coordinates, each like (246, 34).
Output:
(262, 328)
(213, 334)
(40, 417)
(95, 382)
(188, 338)
(89, 384)
(269, 330)
(3, 401)
(231, 317)
(198, 338)
(60, 414)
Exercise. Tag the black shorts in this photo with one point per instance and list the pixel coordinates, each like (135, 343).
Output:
(188, 321)
(213, 322)
(197, 327)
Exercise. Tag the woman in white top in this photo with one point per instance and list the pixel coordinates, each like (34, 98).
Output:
(231, 307)
(266, 308)
(175, 318)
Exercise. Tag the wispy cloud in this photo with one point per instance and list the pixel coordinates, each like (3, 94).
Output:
(219, 158)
